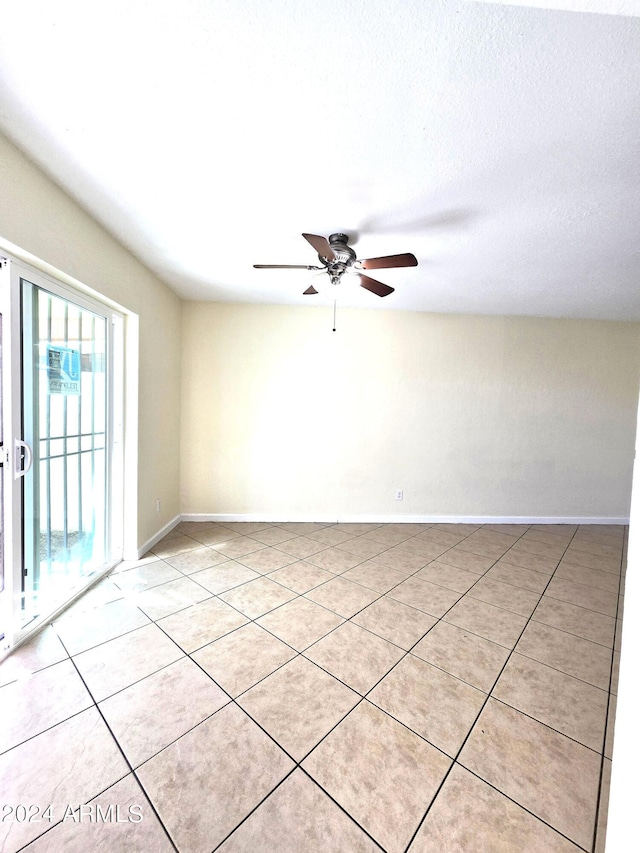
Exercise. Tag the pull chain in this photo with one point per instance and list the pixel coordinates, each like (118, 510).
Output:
(334, 315)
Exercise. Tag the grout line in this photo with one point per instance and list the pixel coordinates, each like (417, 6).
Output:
(126, 760)
(606, 719)
(296, 596)
(472, 727)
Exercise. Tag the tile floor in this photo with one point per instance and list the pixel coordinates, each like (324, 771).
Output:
(311, 687)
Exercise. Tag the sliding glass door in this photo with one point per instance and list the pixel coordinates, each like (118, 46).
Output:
(64, 438)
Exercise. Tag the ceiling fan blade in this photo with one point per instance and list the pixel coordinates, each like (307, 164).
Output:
(374, 286)
(321, 245)
(285, 267)
(309, 291)
(407, 260)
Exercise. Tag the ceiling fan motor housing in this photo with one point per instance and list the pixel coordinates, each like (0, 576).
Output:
(345, 256)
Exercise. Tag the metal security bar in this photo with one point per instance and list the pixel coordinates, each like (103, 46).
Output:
(65, 354)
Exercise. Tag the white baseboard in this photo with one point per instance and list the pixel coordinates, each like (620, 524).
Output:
(280, 518)
(168, 527)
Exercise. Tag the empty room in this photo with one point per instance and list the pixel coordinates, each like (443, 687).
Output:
(320, 370)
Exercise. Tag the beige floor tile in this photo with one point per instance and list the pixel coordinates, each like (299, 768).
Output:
(300, 622)
(500, 537)
(154, 712)
(611, 717)
(266, 560)
(334, 560)
(388, 536)
(332, 536)
(554, 777)
(467, 656)
(483, 546)
(433, 703)
(237, 547)
(301, 576)
(366, 548)
(592, 561)
(466, 560)
(456, 527)
(558, 700)
(216, 535)
(299, 818)
(175, 544)
(355, 656)
(120, 662)
(375, 576)
(505, 595)
(382, 774)
(598, 549)
(423, 549)
(604, 537)
(247, 528)
(469, 816)
(560, 529)
(493, 623)
(194, 561)
(303, 528)
(301, 546)
(298, 705)
(542, 549)
(590, 577)
(224, 577)
(257, 597)
(188, 528)
(103, 592)
(39, 701)
(67, 764)
(201, 624)
(434, 600)
(617, 642)
(453, 578)
(81, 631)
(568, 653)
(404, 528)
(169, 597)
(120, 820)
(273, 536)
(394, 621)
(517, 576)
(442, 537)
(526, 560)
(559, 540)
(357, 528)
(37, 653)
(146, 577)
(174, 533)
(342, 596)
(401, 559)
(603, 808)
(615, 673)
(242, 658)
(509, 529)
(125, 565)
(180, 779)
(575, 620)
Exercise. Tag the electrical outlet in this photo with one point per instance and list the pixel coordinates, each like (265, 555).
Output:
(399, 494)
(158, 502)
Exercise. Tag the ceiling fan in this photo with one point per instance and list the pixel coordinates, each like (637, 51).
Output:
(337, 258)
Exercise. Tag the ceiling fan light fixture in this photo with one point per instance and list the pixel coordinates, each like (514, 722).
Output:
(338, 258)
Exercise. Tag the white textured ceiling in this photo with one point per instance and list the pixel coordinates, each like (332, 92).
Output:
(498, 143)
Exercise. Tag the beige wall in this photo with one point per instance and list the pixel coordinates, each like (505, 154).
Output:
(40, 218)
(470, 416)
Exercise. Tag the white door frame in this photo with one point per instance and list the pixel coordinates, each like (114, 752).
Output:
(11, 273)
